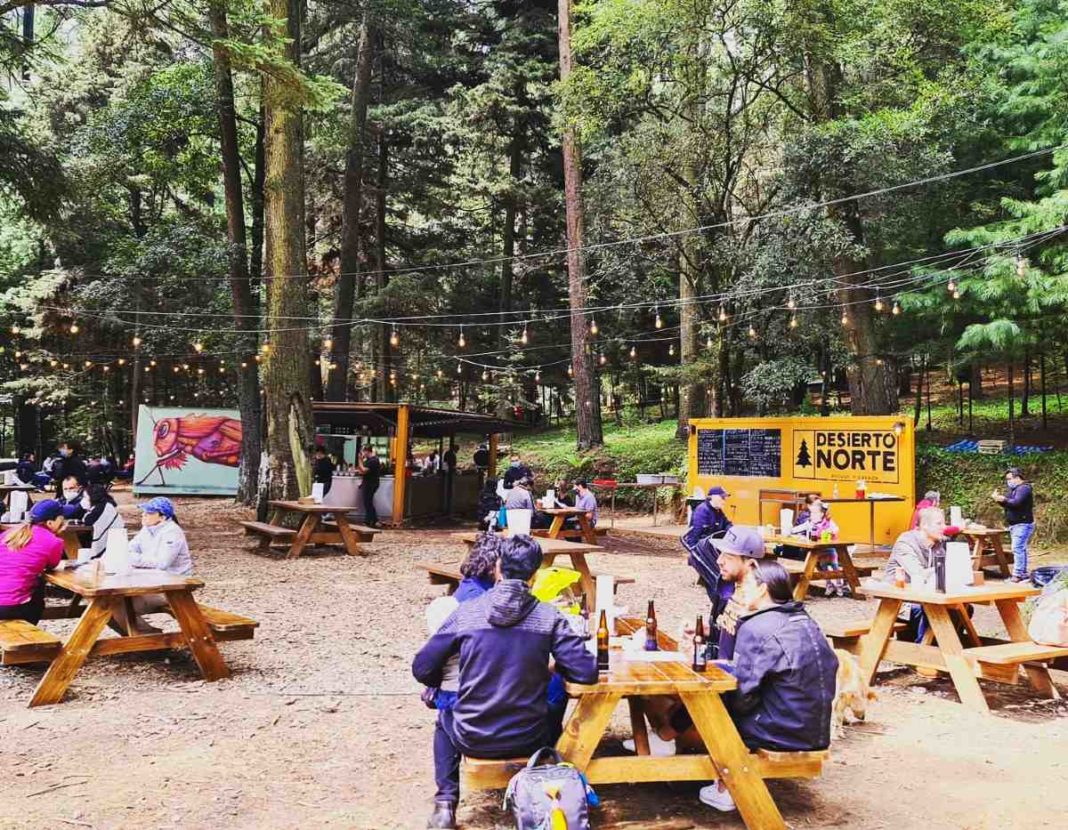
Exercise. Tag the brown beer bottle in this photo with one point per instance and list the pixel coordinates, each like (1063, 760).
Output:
(650, 629)
(700, 655)
(602, 643)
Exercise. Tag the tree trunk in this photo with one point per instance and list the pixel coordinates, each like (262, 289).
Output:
(246, 311)
(27, 38)
(918, 409)
(976, 383)
(1012, 408)
(285, 471)
(587, 398)
(515, 170)
(256, 258)
(1025, 397)
(385, 350)
(345, 293)
(691, 395)
(1042, 391)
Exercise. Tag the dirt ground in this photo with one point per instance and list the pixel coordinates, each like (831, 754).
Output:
(321, 725)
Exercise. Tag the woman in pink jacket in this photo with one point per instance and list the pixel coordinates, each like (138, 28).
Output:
(26, 552)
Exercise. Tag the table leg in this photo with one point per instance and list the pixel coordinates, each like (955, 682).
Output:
(589, 586)
(999, 554)
(959, 668)
(54, 684)
(1037, 675)
(584, 729)
(969, 626)
(737, 768)
(845, 563)
(871, 522)
(70, 545)
(198, 635)
(588, 536)
(638, 726)
(873, 644)
(556, 526)
(348, 537)
(300, 541)
(801, 588)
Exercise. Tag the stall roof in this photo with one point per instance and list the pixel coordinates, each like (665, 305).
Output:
(424, 421)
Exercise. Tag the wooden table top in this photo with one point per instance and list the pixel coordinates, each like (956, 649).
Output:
(308, 507)
(141, 581)
(630, 677)
(865, 500)
(562, 511)
(17, 488)
(805, 544)
(554, 546)
(988, 592)
(71, 527)
(986, 531)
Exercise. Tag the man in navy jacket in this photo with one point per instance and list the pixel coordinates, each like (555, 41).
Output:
(1019, 506)
(505, 639)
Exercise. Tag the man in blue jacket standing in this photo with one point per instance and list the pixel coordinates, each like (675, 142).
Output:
(504, 639)
(1019, 505)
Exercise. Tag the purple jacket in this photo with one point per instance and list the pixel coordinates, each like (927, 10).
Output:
(786, 678)
(505, 639)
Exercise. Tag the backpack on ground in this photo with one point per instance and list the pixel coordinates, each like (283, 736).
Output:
(548, 796)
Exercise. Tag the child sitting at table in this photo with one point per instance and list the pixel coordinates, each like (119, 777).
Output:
(820, 527)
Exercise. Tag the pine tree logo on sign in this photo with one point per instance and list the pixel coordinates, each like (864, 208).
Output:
(847, 455)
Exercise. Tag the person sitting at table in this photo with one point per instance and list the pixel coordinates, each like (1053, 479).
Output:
(805, 512)
(816, 528)
(912, 560)
(516, 470)
(160, 544)
(587, 501)
(26, 552)
(520, 498)
(722, 565)
(709, 517)
(102, 514)
(785, 670)
(504, 639)
(72, 499)
(932, 498)
(26, 469)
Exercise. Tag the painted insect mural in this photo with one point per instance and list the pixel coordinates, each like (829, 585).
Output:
(213, 439)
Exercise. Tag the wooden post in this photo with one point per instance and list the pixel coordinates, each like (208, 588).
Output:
(400, 463)
(491, 471)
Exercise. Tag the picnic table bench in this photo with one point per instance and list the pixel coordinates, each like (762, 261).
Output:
(725, 757)
(943, 649)
(314, 529)
(199, 628)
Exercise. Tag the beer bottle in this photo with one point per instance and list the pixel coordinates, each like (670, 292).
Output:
(700, 656)
(584, 612)
(650, 629)
(602, 643)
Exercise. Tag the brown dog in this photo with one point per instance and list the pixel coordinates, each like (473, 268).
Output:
(851, 692)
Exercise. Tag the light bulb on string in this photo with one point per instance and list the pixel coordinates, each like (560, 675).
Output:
(956, 293)
(152, 363)
(136, 341)
(537, 376)
(951, 286)
(752, 332)
(88, 364)
(633, 352)
(459, 368)
(74, 328)
(1022, 265)
(603, 360)
(485, 374)
(15, 328)
(198, 347)
(570, 371)
(122, 361)
(671, 350)
(177, 369)
(878, 303)
(793, 321)
(107, 369)
(266, 348)
(845, 318)
(791, 303)
(461, 342)
(394, 337)
(593, 326)
(55, 363)
(440, 374)
(524, 338)
(708, 342)
(722, 314)
(659, 321)
(895, 309)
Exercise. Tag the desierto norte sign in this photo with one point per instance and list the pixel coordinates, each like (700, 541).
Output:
(846, 455)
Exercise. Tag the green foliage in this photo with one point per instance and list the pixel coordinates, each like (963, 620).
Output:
(773, 385)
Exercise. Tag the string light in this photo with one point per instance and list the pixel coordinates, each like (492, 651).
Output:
(603, 360)
(152, 363)
(1022, 264)
(593, 326)
(896, 309)
(485, 374)
(524, 338)
(441, 374)
(951, 286)
(791, 303)
(571, 370)
(708, 342)
(537, 376)
(845, 318)
(722, 314)
(88, 364)
(107, 369)
(633, 352)
(659, 321)
(459, 368)
(752, 332)
(878, 303)
(122, 361)
(198, 347)
(793, 321)
(15, 328)
(266, 348)
(956, 294)
(461, 342)
(394, 337)
(136, 341)
(671, 350)
(74, 328)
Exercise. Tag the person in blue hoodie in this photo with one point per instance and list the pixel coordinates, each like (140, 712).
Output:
(505, 639)
(785, 670)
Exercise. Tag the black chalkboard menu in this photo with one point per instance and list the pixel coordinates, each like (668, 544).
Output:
(739, 452)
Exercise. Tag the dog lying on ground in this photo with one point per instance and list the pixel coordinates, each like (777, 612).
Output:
(851, 693)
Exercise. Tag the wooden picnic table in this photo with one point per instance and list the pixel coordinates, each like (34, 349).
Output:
(635, 486)
(551, 548)
(726, 756)
(313, 529)
(942, 648)
(7, 489)
(561, 515)
(987, 548)
(814, 552)
(104, 593)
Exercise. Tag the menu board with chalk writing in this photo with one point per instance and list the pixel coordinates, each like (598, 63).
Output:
(739, 452)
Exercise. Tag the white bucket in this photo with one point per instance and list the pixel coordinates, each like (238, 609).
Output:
(519, 522)
(317, 492)
(117, 553)
(956, 516)
(786, 521)
(958, 566)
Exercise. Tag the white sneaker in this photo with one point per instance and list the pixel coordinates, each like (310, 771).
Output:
(713, 796)
(658, 747)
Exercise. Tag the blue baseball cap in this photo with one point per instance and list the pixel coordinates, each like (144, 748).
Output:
(716, 491)
(741, 541)
(45, 511)
(161, 505)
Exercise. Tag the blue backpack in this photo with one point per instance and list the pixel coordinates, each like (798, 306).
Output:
(538, 789)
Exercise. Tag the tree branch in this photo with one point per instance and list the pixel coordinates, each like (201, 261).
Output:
(11, 5)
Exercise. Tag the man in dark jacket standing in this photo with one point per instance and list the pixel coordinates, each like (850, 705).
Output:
(505, 639)
(1018, 503)
(785, 670)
